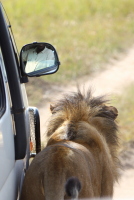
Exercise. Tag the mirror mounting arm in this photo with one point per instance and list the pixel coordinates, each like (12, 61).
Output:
(24, 79)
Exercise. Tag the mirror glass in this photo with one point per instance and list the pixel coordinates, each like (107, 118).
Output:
(39, 59)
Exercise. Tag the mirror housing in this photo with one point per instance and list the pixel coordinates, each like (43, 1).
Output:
(38, 59)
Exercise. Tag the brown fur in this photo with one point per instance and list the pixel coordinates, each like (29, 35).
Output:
(82, 143)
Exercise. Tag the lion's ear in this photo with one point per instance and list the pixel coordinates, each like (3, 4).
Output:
(52, 107)
(113, 112)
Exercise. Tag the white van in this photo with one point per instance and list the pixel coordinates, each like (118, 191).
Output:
(19, 123)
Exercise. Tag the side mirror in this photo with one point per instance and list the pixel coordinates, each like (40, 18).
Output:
(38, 59)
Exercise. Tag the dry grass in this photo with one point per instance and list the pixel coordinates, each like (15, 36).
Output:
(125, 105)
(85, 34)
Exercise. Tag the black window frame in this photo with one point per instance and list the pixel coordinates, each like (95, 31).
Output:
(2, 95)
(12, 71)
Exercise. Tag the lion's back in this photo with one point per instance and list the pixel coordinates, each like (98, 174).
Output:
(54, 165)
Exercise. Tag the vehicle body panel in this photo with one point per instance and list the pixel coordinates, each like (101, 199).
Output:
(17, 119)
(11, 171)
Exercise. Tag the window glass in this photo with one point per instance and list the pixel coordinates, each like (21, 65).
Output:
(2, 64)
(2, 91)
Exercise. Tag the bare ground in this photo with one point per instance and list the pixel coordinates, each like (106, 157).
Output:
(117, 76)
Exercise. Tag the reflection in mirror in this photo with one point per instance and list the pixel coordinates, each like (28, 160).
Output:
(39, 57)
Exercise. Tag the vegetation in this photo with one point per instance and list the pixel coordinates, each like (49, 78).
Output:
(86, 34)
(125, 105)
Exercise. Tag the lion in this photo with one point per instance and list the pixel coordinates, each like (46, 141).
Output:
(80, 159)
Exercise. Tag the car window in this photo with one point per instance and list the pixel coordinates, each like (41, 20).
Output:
(2, 91)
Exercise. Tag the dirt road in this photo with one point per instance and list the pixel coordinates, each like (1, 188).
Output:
(114, 79)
